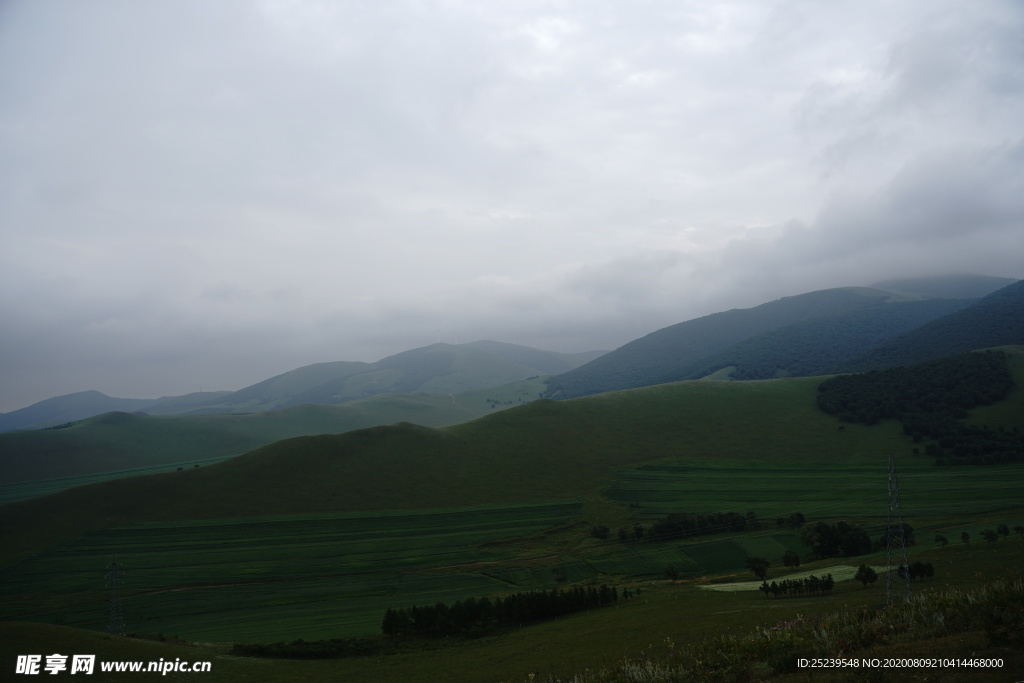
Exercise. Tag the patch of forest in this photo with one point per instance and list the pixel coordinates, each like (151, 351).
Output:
(929, 399)
(812, 585)
(474, 617)
(684, 525)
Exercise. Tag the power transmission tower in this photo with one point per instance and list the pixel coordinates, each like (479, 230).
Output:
(115, 579)
(897, 582)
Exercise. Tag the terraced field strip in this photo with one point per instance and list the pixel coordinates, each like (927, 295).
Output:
(10, 493)
(614, 560)
(257, 577)
(819, 490)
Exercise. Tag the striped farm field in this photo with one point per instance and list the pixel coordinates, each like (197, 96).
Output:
(266, 578)
(820, 490)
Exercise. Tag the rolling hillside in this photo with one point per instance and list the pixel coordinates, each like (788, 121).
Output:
(819, 345)
(436, 369)
(813, 333)
(83, 404)
(669, 353)
(995, 320)
(123, 441)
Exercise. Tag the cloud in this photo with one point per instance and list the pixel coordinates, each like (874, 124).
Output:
(205, 193)
(956, 78)
(947, 211)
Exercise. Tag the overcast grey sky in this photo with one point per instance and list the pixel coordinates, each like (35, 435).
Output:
(199, 194)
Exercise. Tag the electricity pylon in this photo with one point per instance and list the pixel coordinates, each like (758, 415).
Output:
(897, 582)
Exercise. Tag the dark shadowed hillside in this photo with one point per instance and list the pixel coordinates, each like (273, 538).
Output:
(670, 353)
(817, 346)
(814, 333)
(995, 320)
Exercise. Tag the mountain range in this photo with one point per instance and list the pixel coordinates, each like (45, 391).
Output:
(436, 369)
(815, 333)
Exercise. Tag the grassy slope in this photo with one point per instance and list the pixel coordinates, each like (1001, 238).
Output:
(113, 442)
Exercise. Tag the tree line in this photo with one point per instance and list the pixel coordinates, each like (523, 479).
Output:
(684, 525)
(812, 585)
(843, 539)
(929, 399)
(477, 616)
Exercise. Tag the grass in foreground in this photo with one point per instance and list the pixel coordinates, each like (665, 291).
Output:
(995, 609)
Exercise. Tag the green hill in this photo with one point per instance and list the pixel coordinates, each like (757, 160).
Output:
(436, 385)
(814, 333)
(119, 441)
(67, 408)
(995, 320)
(820, 345)
(438, 368)
(669, 354)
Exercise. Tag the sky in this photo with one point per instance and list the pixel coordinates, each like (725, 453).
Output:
(199, 195)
